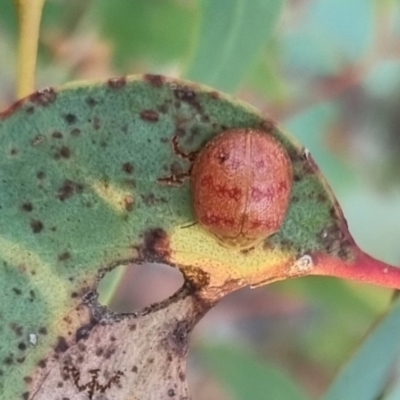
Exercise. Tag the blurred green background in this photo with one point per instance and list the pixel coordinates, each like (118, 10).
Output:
(329, 71)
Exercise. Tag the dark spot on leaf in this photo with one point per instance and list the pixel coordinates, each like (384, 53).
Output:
(61, 346)
(214, 95)
(28, 379)
(13, 151)
(96, 123)
(68, 189)
(22, 346)
(187, 95)
(17, 291)
(43, 330)
(179, 337)
(134, 369)
(149, 115)
(64, 152)
(171, 392)
(18, 330)
(154, 80)
(83, 332)
(90, 101)
(9, 360)
(28, 207)
(128, 167)
(26, 395)
(57, 135)
(66, 255)
(99, 352)
(36, 225)
(117, 83)
(40, 175)
(132, 327)
(70, 118)
(155, 245)
(163, 108)
(43, 97)
(109, 352)
(182, 376)
(267, 125)
(75, 132)
(42, 363)
(180, 132)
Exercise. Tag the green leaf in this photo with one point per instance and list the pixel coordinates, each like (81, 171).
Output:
(95, 176)
(141, 30)
(367, 372)
(246, 376)
(231, 37)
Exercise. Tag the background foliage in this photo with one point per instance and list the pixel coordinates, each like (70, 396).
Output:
(330, 72)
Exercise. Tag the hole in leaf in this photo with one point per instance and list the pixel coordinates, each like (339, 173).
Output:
(134, 287)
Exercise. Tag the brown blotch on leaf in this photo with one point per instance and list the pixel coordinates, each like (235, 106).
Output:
(26, 396)
(149, 115)
(43, 97)
(68, 189)
(13, 151)
(185, 93)
(214, 95)
(61, 346)
(267, 125)
(75, 132)
(17, 291)
(154, 80)
(155, 245)
(65, 256)
(64, 152)
(128, 167)
(37, 226)
(28, 207)
(57, 135)
(99, 352)
(117, 83)
(42, 363)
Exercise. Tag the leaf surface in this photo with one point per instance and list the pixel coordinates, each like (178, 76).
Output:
(232, 35)
(367, 371)
(94, 176)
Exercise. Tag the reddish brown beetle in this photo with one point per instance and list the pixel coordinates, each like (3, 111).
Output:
(241, 183)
